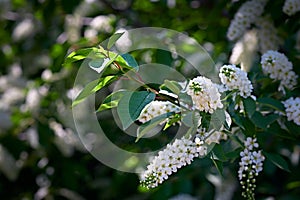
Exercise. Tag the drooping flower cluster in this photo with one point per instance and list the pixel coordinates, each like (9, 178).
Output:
(267, 35)
(174, 156)
(245, 16)
(279, 68)
(156, 108)
(235, 78)
(250, 165)
(292, 109)
(290, 7)
(205, 94)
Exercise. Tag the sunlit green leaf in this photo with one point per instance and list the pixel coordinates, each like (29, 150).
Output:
(81, 54)
(93, 87)
(172, 120)
(112, 100)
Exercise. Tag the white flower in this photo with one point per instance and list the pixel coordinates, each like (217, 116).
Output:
(250, 165)
(168, 161)
(245, 16)
(279, 68)
(292, 109)
(205, 94)
(235, 78)
(267, 35)
(291, 7)
(251, 143)
(156, 108)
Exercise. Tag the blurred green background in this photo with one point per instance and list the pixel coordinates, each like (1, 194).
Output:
(41, 156)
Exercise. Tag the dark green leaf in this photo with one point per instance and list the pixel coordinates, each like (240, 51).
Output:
(219, 165)
(98, 65)
(130, 61)
(272, 103)
(112, 40)
(263, 121)
(93, 87)
(233, 155)
(236, 139)
(250, 106)
(218, 153)
(278, 161)
(131, 105)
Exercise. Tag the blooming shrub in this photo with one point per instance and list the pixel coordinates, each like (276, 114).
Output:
(220, 137)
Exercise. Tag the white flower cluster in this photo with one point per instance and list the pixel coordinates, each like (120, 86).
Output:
(290, 7)
(156, 108)
(251, 164)
(168, 161)
(292, 109)
(205, 94)
(235, 78)
(267, 35)
(279, 68)
(245, 16)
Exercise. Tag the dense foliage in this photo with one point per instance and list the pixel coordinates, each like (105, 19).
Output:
(42, 45)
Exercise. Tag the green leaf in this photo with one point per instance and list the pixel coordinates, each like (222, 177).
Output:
(99, 64)
(187, 119)
(219, 165)
(250, 106)
(81, 54)
(236, 139)
(233, 155)
(191, 131)
(93, 87)
(278, 161)
(112, 100)
(218, 119)
(113, 39)
(263, 121)
(149, 125)
(272, 103)
(175, 118)
(130, 61)
(218, 153)
(185, 98)
(191, 119)
(173, 86)
(131, 105)
(238, 121)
